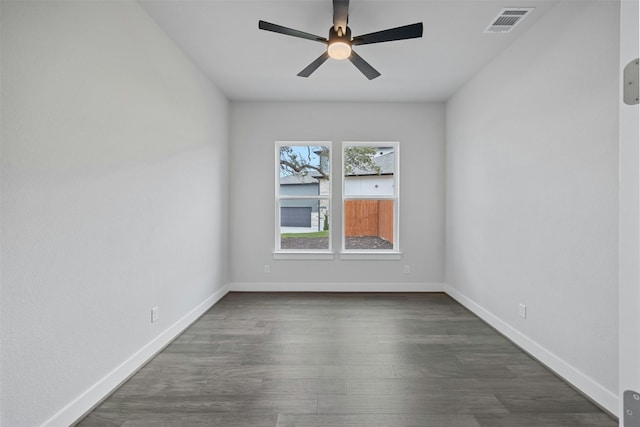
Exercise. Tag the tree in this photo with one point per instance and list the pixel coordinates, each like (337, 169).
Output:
(315, 159)
(360, 159)
(302, 159)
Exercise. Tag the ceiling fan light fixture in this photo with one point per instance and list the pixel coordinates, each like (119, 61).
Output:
(339, 50)
(339, 42)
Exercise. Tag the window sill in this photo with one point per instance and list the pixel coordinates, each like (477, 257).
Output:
(368, 255)
(324, 255)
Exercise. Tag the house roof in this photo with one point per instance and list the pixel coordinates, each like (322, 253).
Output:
(386, 163)
(298, 179)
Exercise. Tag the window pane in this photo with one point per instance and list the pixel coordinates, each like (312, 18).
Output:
(304, 224)
(368, 171)
(368, 224)
(304, 170)
(303, 193)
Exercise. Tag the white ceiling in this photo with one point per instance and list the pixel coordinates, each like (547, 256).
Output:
(245, 63)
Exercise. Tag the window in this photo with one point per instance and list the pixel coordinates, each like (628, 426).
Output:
(303, 197)
(370, 197)
(369, 200)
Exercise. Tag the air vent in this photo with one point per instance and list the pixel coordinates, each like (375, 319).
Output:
(507, 19)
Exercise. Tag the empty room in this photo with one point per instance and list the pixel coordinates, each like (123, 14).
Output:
(319, 213)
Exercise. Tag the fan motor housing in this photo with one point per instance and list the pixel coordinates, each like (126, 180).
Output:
(335, 37)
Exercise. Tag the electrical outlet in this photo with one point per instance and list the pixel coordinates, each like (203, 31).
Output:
(154, 314)
(267, 268)
(407, 269)
(522, 311)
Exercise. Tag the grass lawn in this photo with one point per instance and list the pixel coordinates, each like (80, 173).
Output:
(316, 234)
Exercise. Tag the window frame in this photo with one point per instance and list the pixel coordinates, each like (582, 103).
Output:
(278, 252)
(392, 254)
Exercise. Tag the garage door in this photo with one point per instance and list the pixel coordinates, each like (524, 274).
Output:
(295, 217)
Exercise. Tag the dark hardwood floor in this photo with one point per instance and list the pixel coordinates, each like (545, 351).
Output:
(317, 359)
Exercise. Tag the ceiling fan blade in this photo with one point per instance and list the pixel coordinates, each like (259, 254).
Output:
(268, 26)
(340, 14)
(399, 33)
(363, 66)
(314, 65)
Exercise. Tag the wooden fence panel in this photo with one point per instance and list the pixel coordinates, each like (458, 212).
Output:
(369, 218)
(385, 220)
(361, 218)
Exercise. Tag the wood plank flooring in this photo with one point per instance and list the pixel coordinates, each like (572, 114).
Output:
(336, 359)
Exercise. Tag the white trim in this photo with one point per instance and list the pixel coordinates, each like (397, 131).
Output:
(96, 393)
(599, 394)
(294, 197)
(334, 287)
(628, 215)
(370, 255)
(369, 197)
(320, 256)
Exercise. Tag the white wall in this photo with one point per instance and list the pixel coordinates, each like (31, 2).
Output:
(532, 193)
(254, 129)
(114, 188)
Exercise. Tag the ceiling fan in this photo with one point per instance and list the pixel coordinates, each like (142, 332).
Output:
(340, 43)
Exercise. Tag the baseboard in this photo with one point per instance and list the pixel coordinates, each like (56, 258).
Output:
(94, 395)
(586, 385)
(335, 287)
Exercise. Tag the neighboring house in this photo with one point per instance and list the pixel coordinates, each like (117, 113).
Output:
(310, 212)
(372, 183)
(298, 213)
(299, 185)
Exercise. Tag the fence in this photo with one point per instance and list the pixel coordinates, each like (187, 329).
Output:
(369, 218)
